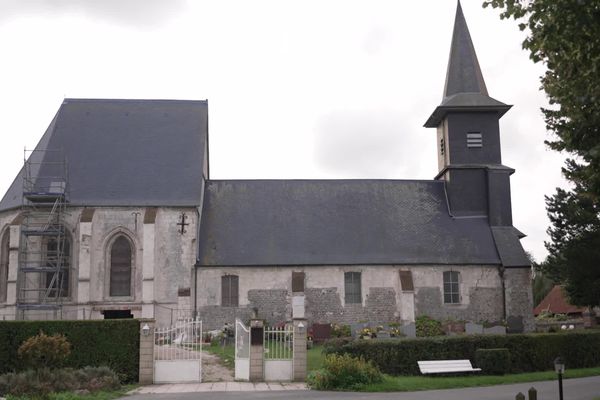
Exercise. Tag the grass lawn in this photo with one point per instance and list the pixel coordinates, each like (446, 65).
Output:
(225, 353)
(415, 383)
(101, 395)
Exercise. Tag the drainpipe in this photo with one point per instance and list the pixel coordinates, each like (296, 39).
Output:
(502, 280)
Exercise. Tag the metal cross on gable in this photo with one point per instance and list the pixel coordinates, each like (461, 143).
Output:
(182, 223)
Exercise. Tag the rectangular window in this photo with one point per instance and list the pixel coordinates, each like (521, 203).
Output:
(229, 291)
(474, 139)
(406, 281)
(442, 146)
(352, 288)
(297, 282)
(451, 287)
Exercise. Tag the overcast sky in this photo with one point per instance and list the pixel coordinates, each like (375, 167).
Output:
(296, 89)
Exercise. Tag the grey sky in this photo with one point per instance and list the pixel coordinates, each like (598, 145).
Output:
(296, 89)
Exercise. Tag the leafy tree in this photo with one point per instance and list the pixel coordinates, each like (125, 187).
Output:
(565, 36)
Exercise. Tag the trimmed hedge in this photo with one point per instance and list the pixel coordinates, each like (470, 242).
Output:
(493, 361)
(528, 352)
(111, 343)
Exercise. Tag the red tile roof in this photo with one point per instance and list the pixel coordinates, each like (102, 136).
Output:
(557, 303)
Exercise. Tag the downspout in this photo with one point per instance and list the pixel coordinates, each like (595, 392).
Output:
(501, 273)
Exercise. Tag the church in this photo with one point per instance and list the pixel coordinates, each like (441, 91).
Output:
(114, 215)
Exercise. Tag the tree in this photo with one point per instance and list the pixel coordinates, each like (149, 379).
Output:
(565, 36)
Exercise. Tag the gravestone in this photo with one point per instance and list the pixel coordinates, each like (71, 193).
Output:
(515, 324)
(409, 330)
(495, 330)
(472, 328)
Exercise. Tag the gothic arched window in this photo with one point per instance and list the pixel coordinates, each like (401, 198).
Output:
(120, 267)
(58, 258)
(4, 252)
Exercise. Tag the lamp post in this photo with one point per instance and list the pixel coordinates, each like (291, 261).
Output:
(559, 367)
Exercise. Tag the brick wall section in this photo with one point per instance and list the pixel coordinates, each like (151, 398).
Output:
(147, 353)
(273, 305)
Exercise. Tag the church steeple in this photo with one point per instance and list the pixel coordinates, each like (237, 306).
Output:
(465, 87)
(468, 136)
(464, 74)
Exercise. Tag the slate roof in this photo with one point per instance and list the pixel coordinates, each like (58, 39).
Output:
(509, 247)
(337, 222)
(465, 87)
(126, 152)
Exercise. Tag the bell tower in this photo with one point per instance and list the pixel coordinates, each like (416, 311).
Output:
(468, 137)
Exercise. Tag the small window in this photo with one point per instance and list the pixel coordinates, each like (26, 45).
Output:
(120, 267)
(297, 282)
(442, 146)
(352, 288)
(229, 291)
(474, 139)
(406, 281)
(451, 287)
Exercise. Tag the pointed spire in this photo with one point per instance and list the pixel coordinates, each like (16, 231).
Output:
(465, 88)
(464, 74)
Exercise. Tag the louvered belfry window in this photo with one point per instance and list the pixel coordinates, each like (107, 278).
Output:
(120, 268)
(229, 290)
(352, 287)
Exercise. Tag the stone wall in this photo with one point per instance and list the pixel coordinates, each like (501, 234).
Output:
(519, 299)
(268, 289)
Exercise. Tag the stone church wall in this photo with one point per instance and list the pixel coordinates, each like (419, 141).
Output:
(268, 289)
(162, 260)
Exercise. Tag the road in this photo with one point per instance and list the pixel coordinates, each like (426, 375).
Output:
(574, 389)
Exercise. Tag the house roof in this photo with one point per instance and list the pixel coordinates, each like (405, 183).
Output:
(557, 303)
(125, 152)
(465, 88)
(337, 222)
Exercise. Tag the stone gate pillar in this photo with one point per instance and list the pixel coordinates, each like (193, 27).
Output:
(146, 371)
(299, 358)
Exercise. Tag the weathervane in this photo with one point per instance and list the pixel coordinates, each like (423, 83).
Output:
(182, 223)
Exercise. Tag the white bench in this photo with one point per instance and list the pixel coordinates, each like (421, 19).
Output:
(446, 366)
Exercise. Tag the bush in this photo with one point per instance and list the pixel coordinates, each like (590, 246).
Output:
(43, 351)
(528, 352)
(344, 372)
(427, 326)
(331, 346)
(42, 382)
(493, 361)
(338, 331)
(112, 343)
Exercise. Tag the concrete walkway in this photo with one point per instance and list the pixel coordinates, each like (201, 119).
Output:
(574, 389)
(218, 387)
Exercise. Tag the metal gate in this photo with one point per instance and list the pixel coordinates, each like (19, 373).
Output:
(242, 351)
(178, 352)
(279, 353)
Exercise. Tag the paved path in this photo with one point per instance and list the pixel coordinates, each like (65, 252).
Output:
(574, 389)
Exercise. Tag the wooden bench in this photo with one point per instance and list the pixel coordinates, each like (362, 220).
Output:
(446, 366)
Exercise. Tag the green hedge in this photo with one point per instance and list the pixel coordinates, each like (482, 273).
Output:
(113, 343)
(528, 352)
(493, 361)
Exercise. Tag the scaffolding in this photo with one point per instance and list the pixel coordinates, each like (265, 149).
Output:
(44, 250)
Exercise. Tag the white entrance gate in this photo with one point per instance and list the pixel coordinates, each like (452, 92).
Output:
(279, 352)
(178, 352)
(242, 351)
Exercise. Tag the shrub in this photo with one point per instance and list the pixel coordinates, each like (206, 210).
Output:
(113, 343)
(427, 326)
(43, 351)
(41, 382)
(331, 346)
(338, 330)
(493, 361)
(528, 352)
(344, 372)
